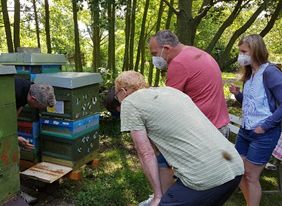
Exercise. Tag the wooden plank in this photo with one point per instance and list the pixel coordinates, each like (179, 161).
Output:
(46, 172)
(235, 119)
(234, 129)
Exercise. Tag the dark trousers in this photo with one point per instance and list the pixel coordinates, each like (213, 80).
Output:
(178, 194)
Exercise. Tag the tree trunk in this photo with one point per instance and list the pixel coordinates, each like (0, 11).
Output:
(169, 15)
(224, 57)
(47, 27)
(141, 42)
(273, 18)
(132, 35)
(185, 25)
(77, 55)
(17, 17)
(158, 26)
(143, 59)
(36, 23)
(111, 45)
(7, 26)
(95, 15)
(266, 29)
(127, 36)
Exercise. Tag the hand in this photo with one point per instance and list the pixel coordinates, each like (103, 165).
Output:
(259, 130)
(234, 89)
(155, 201)
(24, 143)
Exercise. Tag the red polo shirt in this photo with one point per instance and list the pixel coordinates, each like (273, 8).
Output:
(197, 74)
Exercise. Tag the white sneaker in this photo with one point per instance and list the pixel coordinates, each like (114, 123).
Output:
(28, 198)
(147, 202)
(270, 166)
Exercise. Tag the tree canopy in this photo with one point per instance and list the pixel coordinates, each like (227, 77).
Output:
(113, 34)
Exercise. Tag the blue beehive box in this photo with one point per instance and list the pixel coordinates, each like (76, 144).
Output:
(69, 128)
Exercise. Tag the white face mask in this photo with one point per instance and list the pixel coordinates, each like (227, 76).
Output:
(159, 62)
(244, 59)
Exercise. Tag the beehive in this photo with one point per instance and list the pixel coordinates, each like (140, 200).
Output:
(77, 94)
(69, 151)
(9, 153)
(28, 65)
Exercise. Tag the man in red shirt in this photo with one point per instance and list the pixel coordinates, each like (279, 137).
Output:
(194, 72)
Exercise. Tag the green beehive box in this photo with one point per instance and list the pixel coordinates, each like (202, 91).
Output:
(75, 165)
(77, 94)
(9, 171)
(9, 153)
(70, 149)
(8, 117)
(32, 155)
(10, 182)
(8, 120)
(7, 85)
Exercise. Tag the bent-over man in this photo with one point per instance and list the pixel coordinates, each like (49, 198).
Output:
(207, 166)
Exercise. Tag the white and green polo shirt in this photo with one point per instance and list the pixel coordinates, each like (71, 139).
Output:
(190, 143)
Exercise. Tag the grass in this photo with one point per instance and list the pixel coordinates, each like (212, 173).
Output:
(119, 180)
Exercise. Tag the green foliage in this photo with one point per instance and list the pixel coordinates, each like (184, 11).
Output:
(117, 181)
(233, 106)
(62, 33)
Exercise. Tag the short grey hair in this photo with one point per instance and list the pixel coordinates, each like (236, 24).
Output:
(166, 37)
(44, 94)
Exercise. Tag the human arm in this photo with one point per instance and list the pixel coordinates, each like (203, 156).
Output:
(273, 82)
(148, 161)
(19, 110)
(24, 143)
(236, 91)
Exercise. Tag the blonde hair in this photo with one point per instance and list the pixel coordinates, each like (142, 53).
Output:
(259, 53)
(130, 80)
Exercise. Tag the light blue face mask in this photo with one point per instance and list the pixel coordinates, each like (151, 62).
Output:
(159, 62)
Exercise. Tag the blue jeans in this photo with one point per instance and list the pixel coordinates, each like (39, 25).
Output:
(257, 148)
